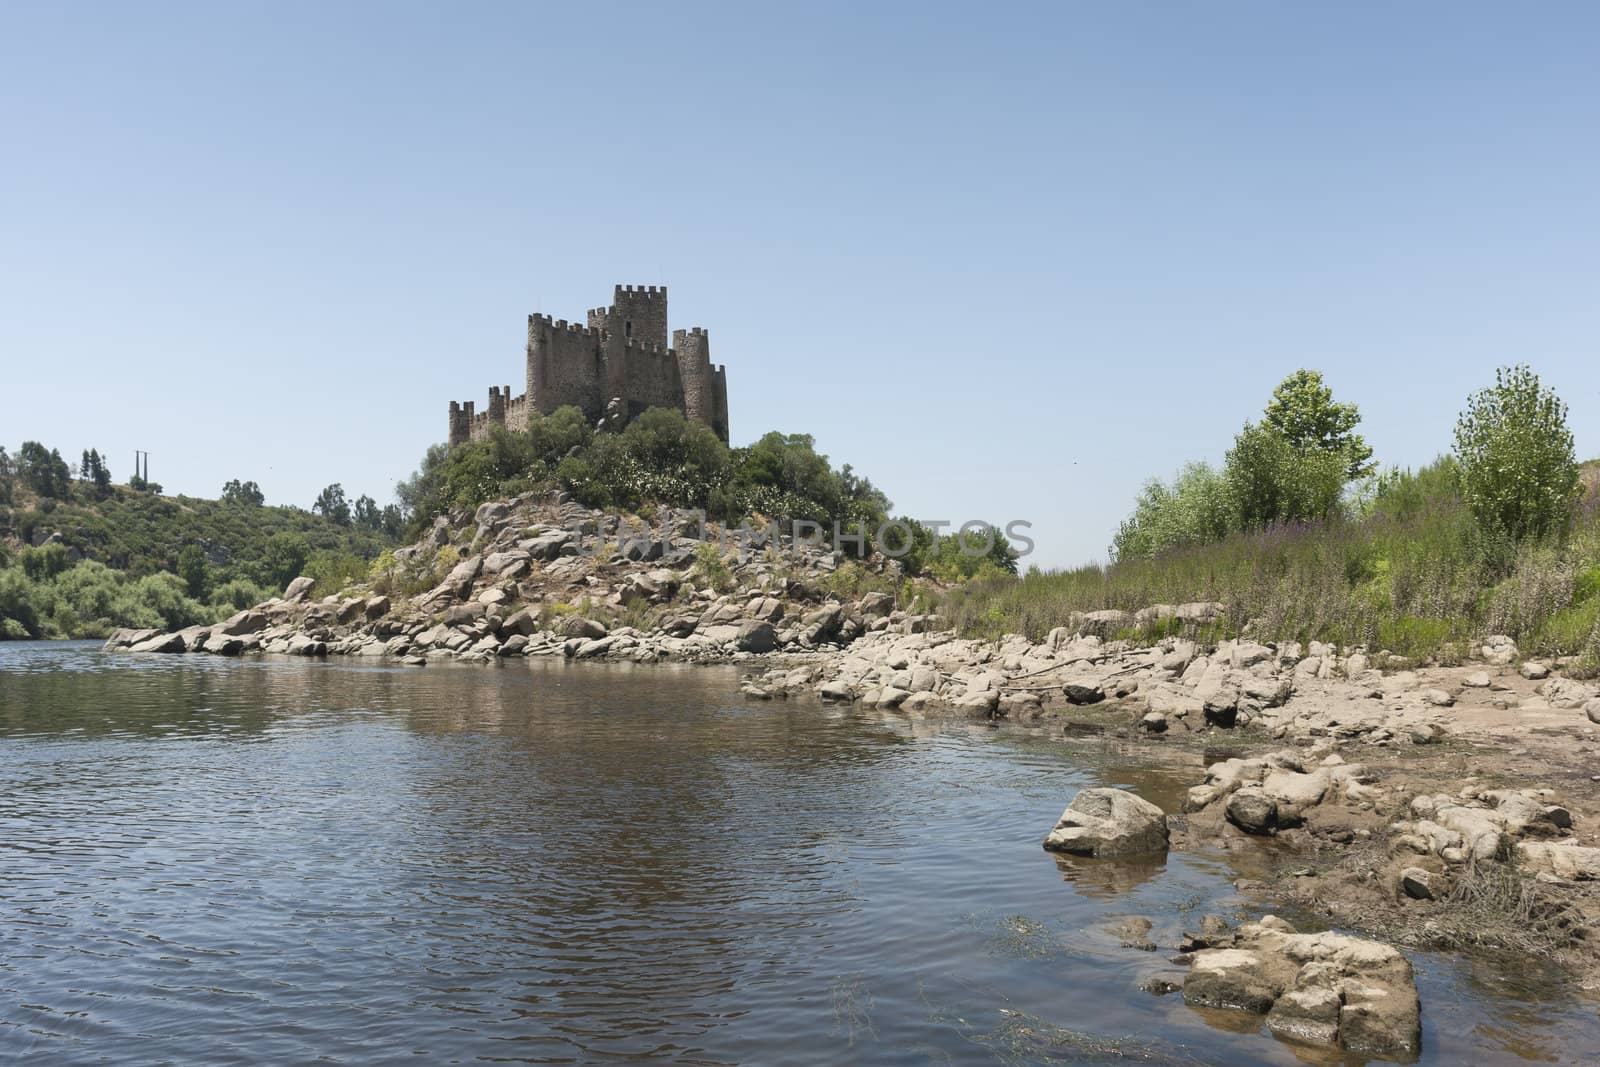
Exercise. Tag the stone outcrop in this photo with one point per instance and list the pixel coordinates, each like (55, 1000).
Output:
(1318, 989)
(1278, 791)
(1108, 823)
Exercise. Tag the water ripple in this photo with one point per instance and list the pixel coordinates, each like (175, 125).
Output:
(268, 861)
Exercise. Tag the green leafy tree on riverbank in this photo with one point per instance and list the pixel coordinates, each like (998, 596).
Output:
(1518, 470)
(1303, 411)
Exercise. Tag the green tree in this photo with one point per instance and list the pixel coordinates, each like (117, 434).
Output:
(284, 558)
(1514, 452)
(1303, 410)
(332, 505)
(246, 493)
(366, 514)
(99, 474)
(1269, 480)
(194, 570)
(7, 476)
(43, 470)
(45, 562)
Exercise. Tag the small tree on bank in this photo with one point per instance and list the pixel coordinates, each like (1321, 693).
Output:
(1518, 470)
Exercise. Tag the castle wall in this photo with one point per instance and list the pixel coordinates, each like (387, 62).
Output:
(719, 393)
(652, 376)
(565, 366)
(517, 413)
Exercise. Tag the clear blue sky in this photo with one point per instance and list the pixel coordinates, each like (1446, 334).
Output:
(1007, 262)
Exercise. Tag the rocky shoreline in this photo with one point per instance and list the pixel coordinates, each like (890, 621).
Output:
(1446, 807)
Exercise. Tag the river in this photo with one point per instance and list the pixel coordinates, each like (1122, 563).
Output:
(279, 861)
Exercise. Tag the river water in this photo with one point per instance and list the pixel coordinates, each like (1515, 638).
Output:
(280, 861)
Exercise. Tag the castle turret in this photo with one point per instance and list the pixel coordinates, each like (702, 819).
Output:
(640, 313)
(538, 365)
(693, 349)
(460, 423)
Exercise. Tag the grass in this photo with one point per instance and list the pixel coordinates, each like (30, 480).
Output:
(1416, 577)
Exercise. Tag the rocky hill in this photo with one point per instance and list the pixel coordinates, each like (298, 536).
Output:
(535, 576)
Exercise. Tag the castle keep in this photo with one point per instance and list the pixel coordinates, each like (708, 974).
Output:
(613, 367)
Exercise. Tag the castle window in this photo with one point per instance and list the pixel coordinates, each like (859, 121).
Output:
(627, 328)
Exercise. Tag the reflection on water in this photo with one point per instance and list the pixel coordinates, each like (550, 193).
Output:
(275, 861)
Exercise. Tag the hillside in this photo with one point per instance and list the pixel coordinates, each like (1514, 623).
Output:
(80, 557)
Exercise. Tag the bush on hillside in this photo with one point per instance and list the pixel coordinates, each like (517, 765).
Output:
(659, 458)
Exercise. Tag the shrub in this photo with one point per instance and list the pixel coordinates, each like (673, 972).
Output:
(1515, 455)
(285, 558)
(237, 595)
(1194, 509)
(194, 571)
(332, 571)
(710, 568)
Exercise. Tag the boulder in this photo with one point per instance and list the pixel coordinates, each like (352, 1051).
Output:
(1499, 650)
(1109, 822)
(1252, 811)
(463, 614)
(756, 635)
(125, 638)
(1324, 989)
(499, 562)
(1534, 671)
(588, 629)
(1081, 693)
(298, 590)
(1572, 863)
(679, 625)
(1477, 680)
(245, 622)
(1566, 694)
(1417, 883)
(1592, 710)
(547, 546)
(461, 576)
(220, 644)
(524, 623)
(1439, 698)
(173, 642)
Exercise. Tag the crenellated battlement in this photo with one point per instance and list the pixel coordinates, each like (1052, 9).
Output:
(616, 354)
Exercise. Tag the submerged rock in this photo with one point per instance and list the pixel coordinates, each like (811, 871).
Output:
(1109, 822)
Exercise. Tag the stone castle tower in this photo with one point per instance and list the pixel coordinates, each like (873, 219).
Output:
(613, 367)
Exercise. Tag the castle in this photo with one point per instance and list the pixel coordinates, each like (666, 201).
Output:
(612, 368)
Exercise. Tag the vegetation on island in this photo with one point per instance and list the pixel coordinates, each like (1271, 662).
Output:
(1302, 537)
(662, 459)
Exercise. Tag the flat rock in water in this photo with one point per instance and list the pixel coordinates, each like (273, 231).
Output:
(1320, 989)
